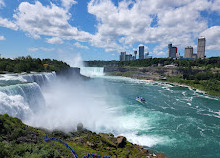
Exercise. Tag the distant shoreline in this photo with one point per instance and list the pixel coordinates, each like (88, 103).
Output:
(175, 83)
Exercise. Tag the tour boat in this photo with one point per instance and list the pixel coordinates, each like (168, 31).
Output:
(141, 99)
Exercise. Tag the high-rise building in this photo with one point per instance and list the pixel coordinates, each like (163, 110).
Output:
(122, 56)
(172, 51)
(194, 56)
(188, 52)
(147, 56)
(141, 52)
(135, 55)
(201, 47)
(128, 57)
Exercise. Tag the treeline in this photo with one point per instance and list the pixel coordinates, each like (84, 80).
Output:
(208, 62)
(188, 75)
(28, 64)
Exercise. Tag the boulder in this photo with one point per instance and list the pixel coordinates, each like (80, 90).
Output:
(79, 127)
(121, 141)
(160, 155)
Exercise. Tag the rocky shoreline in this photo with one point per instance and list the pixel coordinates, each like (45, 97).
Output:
(171, 75)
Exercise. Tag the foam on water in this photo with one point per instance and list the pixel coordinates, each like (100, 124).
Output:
(174, 120)
(21, 100)
(92, 71)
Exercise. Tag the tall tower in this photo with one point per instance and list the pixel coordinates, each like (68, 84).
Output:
(135, 55)
(172, 51)
(169, 49)
(188, 52)
(201, 47)
(122, 56)
(141, 52)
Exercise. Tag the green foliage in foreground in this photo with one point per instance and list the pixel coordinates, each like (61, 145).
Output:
(27, 64)
(18, 140)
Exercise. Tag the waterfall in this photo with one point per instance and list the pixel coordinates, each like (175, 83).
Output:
(92, 71)
(21, 100)
(21, 95)
(40, 79)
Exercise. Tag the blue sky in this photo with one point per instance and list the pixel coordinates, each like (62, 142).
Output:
(101, 29)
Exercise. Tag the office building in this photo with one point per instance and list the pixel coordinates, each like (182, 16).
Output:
(147, 56)
(172, 51)
(122, 56)
(201, 48)
(188, 52)
(128, 57)
(135, 55)
(194, 56)
(141, 52)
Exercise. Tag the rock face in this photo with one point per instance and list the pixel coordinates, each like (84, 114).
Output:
(72, 72)
(121, 141)
(79, 127)
(160, 155)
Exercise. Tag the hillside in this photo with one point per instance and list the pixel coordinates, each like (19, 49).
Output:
(20, 140)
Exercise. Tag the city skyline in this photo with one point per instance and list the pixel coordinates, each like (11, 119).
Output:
(97, 29)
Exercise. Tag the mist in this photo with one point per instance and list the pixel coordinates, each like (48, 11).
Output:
(69, 102)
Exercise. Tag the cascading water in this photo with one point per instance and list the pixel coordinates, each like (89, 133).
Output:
(92, 71)
(21, 95)
(177, 121)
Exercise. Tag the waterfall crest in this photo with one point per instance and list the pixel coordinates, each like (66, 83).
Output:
(21, 95)
(92, 71)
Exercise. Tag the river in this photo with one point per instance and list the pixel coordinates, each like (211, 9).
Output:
(178, 121)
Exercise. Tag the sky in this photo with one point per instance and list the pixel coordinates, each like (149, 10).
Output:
(101, 29)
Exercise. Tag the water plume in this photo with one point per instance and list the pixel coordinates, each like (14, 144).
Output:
(71, 102)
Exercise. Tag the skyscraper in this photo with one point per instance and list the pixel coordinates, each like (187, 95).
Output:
(141, 52)
(188, 52)
(201, 47)
(122, 56)
(172, 51)
(135, 55)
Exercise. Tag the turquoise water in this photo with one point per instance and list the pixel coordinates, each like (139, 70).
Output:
(177, 121)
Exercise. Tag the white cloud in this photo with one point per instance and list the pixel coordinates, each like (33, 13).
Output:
(8, 24)
(47, 49)
(78, 45)
(2, 38)
(2, 3)
(38, 20)
(145, 47)
(216, 6)
(54, 40)
(161, 53)
(68, 3)
(33, 49)
(212, 38)
(41, 49)
(5, 22)
(151, 21)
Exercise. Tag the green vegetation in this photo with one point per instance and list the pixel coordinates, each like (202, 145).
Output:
(27, 64)
(19, 140)
(202, 74)
(211, 86)
(205, 63)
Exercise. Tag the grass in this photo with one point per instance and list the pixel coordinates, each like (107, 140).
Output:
(18, 140)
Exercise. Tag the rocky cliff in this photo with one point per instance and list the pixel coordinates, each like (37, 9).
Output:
(149, 73)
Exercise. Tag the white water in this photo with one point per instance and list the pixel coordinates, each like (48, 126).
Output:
(92, 71)
(173, 118)
(21, 95)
